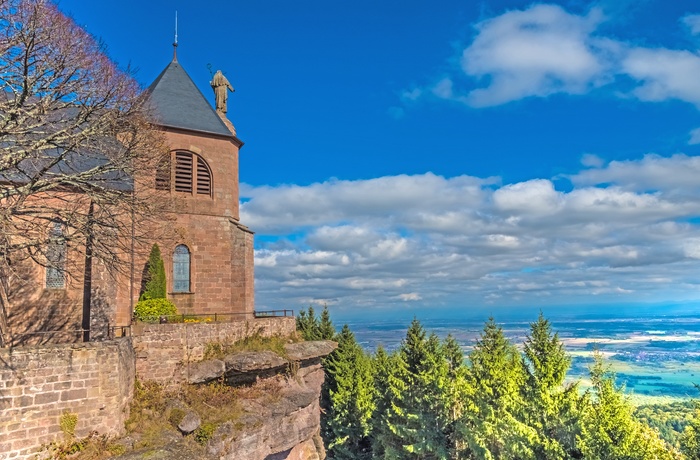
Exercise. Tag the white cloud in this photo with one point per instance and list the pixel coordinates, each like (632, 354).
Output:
(413, 296)
(535, 52)
(592, 161)
(431, 240)
(545, 50)
(677, 173)
(693, 23)
(536, 197)
(664, 74)
(694, 137)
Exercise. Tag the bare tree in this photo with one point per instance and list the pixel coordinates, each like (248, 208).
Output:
(75, 145)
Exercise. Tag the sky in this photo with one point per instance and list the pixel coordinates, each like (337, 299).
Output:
(449, 155)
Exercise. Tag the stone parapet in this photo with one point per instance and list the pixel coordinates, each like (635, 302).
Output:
(165, 352)
(39, 384)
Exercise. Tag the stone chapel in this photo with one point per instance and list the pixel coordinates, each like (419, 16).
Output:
(209, 264)
(208, 252)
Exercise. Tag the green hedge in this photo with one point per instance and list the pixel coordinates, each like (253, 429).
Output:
(153, 308)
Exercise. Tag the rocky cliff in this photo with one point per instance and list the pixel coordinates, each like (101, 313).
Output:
(277, 416)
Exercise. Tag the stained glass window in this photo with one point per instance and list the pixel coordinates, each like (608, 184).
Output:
(56, 258)
(181, 269)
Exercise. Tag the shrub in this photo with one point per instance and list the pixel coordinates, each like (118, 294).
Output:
(151, 309)
(155, 284)
(68, 422)
(204, 433)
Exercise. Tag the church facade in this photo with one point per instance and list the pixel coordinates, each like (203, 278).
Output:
(207, 251)
(209, 257)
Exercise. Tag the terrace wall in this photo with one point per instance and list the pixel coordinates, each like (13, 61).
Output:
(164, 351)
(40, 383)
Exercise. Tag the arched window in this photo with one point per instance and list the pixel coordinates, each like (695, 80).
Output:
(184, 172)
(56, 257)
(181, 269)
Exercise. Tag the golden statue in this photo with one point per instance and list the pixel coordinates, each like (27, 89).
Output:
(221, 87)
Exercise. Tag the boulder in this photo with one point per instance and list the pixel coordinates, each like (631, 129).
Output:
(304, 351)
(189, 422)
(205, 371)
(249, 361)
(248, 366)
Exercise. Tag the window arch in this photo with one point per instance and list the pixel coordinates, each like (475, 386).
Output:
(184, 172)
(181, 269)
(56, 257)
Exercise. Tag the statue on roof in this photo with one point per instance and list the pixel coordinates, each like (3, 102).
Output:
(221, 86)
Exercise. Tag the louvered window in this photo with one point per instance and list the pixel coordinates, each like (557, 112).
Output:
(190, 174)
(203, 177)
(163, 174)
(183, 172)
(56, 258)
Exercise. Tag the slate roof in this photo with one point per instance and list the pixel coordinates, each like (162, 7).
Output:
(180, 104)
(44, 166)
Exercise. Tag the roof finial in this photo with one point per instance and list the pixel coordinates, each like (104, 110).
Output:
(175, 42)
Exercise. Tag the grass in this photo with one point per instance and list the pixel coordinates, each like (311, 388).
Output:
(151, 418)
(255, 342)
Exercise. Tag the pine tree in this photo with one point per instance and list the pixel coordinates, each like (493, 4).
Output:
(491, 428)
(348, 400)
(551, 408)
(415, 421)
(326, 330)
(382, 364)
(155, 287)
(690, 439)
(609, 430)
(308, 324)
(457, 392)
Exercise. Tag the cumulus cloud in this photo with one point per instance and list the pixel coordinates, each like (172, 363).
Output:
(677, 174)
(694, 137)
(664, 74)
(624, 228)
(693, 23)
(591, 160)
(545, 50)
(535, 52)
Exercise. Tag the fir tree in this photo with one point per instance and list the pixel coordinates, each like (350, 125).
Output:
(415, 424)
(551, 409)
(155, 287)
(348, 400)
(308, 324)
(382, 365)
(609, 431)
(492, 429)
(690, 439)
(326, 330)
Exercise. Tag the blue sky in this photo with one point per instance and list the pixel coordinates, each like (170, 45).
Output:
(450, 154)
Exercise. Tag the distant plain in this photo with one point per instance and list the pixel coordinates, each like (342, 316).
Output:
(655, 352)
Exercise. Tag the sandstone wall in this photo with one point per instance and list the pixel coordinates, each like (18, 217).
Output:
(38, 384)
(164, 351)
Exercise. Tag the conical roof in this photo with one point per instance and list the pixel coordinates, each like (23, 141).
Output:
(180, 104)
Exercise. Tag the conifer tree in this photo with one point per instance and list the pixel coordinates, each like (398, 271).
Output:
(415, 423)
(382, 365)
(551, 408)
(348, 400)
(492, 429)
(155, 287)
(609, 431)
(326, 330)
(308, 324)
(457, 392)
(690, 439)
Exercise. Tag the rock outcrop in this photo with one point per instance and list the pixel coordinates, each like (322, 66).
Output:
(286, 426)
(280, 420)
